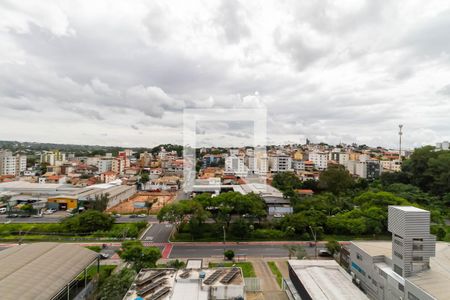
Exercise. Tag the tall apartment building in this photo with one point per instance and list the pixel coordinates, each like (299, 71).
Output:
(12, 164)
(320, 159)
(257, 165)
(235, 165)
(280, 163)
(104, 165)
(411, 266)
(53, 158)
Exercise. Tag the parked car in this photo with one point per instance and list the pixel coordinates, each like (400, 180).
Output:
(278, 215)
(142, 216)
(2, 210)
(133, 216)
(49, 211)
(103, 255)
(12, 216)
(116, 216)
(324, 253)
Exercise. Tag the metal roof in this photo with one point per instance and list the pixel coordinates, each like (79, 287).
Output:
(40, 270)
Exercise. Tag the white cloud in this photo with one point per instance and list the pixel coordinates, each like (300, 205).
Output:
(121, 72)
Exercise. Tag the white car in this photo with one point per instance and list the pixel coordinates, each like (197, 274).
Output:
(49, 211)
(278, 215)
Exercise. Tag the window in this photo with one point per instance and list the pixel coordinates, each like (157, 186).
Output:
(398, 242)
(374, 282)
(383, 274)
(417, 247)
(417, 258)
(401, 287)
(417, 240)
(398, 270)
(398, 255)
(358, 256)
(412, 296)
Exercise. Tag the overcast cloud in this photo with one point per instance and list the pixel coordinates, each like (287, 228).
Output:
(121, 72)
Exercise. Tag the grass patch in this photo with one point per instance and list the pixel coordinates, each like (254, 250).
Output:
(94, 248)
(56, 232)
(247, 267)
(275, 271)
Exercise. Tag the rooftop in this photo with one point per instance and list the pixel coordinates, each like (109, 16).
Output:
(40, 270)
(434, 281)
(325, 279)
(178, 284)
(410, 209)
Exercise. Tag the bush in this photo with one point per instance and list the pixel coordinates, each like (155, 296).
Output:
(268, 234)
(229, 254)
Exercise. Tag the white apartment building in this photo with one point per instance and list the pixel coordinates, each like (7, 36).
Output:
(320, 159)
(235, 165)
(298, 165)
(280, 163)
(443, 146)
(411, 266)
(343, 158)
(104, 165)
(12, 164)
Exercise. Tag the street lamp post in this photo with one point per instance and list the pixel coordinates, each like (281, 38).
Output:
(314, 234)
(224, 240)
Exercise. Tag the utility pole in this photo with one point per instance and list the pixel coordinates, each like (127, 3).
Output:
(400, 133)
(314, 234)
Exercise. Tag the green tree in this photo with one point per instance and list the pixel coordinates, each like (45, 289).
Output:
(286, 181)
(138, 256)
(333, 246)
(336, 180)
(100, 202)
(173, 213)
(144, 178)
(116, 285)
(88, 222)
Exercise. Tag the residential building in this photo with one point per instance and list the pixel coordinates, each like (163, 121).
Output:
(411, 266)
(343, 158)
(235, 165)
(298, 155)
(298, 165)
(320, 159)
(443, 146)
(394, 165)
(104, 165)
(280, 163)
(12, 164)
(368, 169)
(53, 158)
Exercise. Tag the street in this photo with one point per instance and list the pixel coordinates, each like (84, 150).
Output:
(58, 216)
(158, 233)
(254, 250)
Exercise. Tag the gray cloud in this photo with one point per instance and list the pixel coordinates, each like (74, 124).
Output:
(323, 69)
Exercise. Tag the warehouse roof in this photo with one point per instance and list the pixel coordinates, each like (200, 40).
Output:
(40, 270)
(325, 279)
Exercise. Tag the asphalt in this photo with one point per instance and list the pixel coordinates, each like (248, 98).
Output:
(243, 251)
(158, 233)
(56, 218)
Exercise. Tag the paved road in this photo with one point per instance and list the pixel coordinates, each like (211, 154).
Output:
(158, 233)
(55, 218)
(200, 251)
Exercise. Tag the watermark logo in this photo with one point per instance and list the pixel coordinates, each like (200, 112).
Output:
(252, 166)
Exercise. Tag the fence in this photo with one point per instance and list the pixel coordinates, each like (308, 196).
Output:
(252, 284)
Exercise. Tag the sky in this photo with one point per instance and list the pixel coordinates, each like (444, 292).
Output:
(123, 72)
